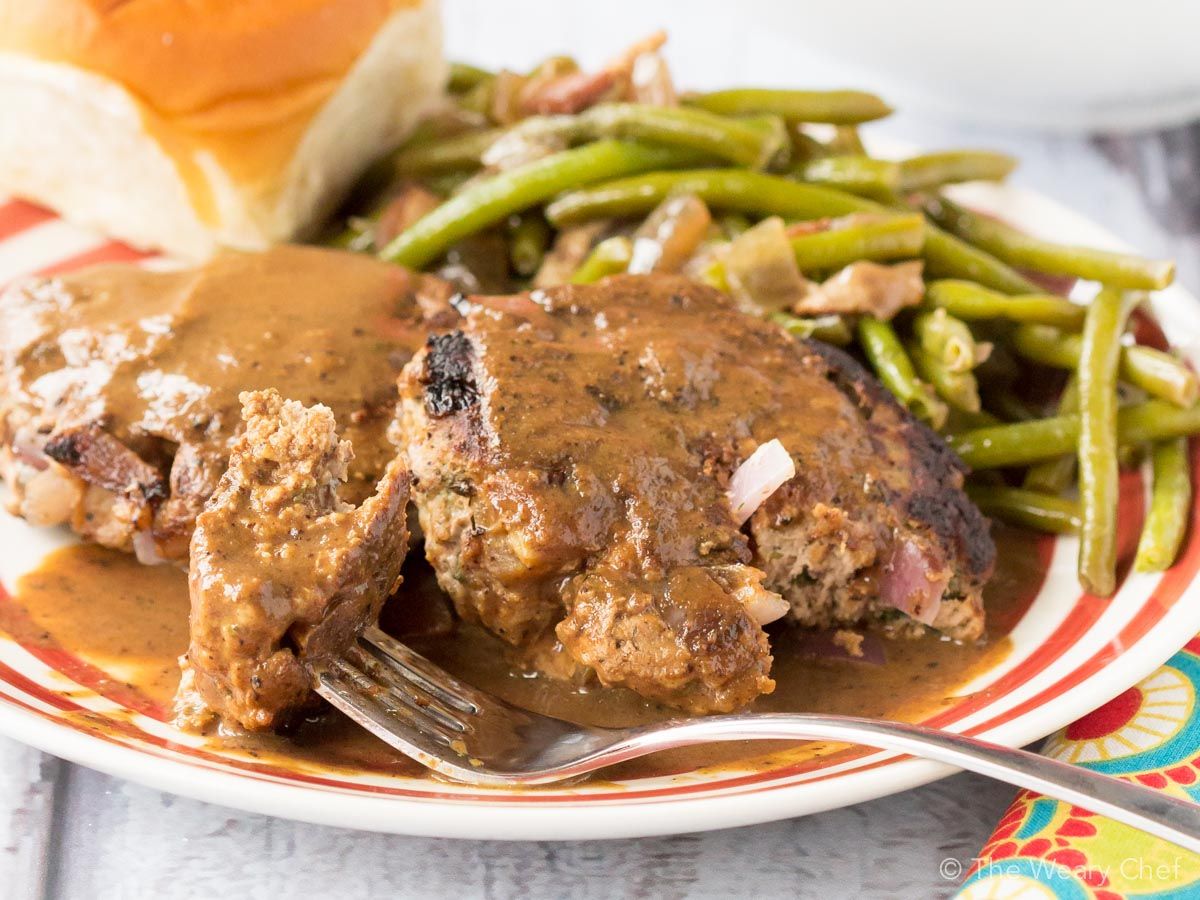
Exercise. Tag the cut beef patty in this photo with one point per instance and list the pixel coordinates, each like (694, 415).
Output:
(119, 386)
(571, 451)
(283, 572)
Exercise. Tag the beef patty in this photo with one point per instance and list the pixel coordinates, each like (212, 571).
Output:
(120, 385)
(283, 571)
(571, 451)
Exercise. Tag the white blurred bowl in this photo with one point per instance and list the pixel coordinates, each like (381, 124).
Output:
(1058, 64)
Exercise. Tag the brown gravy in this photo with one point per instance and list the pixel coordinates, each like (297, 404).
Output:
(130, 622)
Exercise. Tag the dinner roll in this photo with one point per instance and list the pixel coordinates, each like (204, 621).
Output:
(188, 126)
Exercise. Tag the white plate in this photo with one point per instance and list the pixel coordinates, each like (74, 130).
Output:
(1071, 653)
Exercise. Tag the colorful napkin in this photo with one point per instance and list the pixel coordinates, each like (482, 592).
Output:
(1046, 849)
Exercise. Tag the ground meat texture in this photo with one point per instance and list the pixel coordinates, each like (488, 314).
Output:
(283, 572)
(119, 385)
(571, 451)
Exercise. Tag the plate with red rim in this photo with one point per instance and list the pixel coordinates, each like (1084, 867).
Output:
(1070, 652)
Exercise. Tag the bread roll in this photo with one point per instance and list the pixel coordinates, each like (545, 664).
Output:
(188, 126)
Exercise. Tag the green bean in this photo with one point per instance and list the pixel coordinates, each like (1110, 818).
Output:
(804, 145)
(607, 258)
(745, 143)
(846, 141)
(1098, 467)
(932, 170)
(894, 237)
(751, 143)
(967, 300)
(961, 421)
(835, 107)
(893, 367)
(959, 389)
(947, 339)
(854, 174)
(464, 76)
(753, 192)
(356, 236)
(1159, 374)
(1022, 250)
(1155, 372)
(528, 239)
(1170, 507)
(1055, 475)
(447, 183)
(946, 256)
(460, 151)
(493, 199)
(830, 329)
(479, 98)
(1029, 509)
(1022, 443)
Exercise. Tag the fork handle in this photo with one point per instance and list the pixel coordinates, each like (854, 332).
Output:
(1169, 818)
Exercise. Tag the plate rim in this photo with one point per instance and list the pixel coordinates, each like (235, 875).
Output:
(565, 820)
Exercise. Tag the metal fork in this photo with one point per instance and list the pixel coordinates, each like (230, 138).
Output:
(468, 735)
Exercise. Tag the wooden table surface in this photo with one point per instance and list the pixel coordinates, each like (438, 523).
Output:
(67, 831)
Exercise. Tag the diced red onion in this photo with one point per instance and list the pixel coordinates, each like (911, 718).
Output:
(761, 475)
(145, 548)
(27, 447)
(910, 585)
(765, 607)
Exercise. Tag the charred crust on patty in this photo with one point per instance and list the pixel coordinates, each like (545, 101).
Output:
(936, 500)
(448, 375)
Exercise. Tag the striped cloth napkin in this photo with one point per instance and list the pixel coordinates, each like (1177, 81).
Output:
(1043, 848)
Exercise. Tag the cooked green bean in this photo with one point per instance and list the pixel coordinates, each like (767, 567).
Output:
(464, 76)
(947, 339)
(1022, 250)
(846, 141)
(1098, 466)
(752, 143)
(967, 300)
(1170, 507)
(746, 143)
(1007, 405)
(930, 170)
(1029, 509)
(961, 421)
(493, 199)
(460, 151)
(1159, 374)
(830, 329)
(1055, 475)
(1155, 372)
(959, 389)
(528, 239)
(607, 258)
(1022, 443)
(754, 192)
(804, 145)
(447, 183)
(355, 236)
(835, 107)
(946, 256)
(895, 237)
(893, 367)
(855, 174)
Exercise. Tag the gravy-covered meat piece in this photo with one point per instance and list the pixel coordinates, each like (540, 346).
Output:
(283, 572)
(119, 386)
(572, 450)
